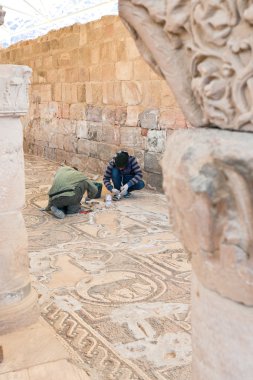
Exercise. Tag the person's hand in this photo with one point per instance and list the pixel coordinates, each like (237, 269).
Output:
(123, 189)
(115, 191)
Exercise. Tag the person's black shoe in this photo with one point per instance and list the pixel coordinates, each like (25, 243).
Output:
(57, 213)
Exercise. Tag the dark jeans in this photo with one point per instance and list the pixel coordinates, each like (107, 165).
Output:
(119, 180)
(69, 205)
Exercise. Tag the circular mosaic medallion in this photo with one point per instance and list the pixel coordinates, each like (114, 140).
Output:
(118, 287)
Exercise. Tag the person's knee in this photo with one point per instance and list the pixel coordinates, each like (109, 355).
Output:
(140, 185)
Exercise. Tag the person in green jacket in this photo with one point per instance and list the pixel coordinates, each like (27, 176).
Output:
(67, 190)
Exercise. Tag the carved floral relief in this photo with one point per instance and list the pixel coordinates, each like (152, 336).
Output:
(210, 43)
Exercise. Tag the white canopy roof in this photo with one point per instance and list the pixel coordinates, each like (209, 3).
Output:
(27, 19)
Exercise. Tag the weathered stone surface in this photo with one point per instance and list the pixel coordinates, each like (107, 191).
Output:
(95, 131)
(131, 137)
(18, 305)
(208, 177)
(212, 316)
(149, 119)
(152, 162)
(156, 141)
(155, 181)
(82, 129)
(111, 135)
(93, 113)
(12, 165)
(131, 93)
(212, 90)
(14, 95)
(106, 152)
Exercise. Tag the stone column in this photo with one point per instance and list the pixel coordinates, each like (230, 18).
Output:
(18, 301)
(204, 50)
(208, 180)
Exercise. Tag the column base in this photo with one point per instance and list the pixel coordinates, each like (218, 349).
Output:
(15, 316)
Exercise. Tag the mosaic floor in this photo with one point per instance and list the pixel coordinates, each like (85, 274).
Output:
(114, 284)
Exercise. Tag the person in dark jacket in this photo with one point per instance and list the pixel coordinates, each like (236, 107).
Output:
(67, 191)
(123, 175)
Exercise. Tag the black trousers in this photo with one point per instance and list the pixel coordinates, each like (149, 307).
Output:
(69, 205)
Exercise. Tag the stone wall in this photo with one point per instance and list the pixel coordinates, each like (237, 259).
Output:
(91, 95)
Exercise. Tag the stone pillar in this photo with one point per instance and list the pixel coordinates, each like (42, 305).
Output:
(204, 51)
(208, 181)
(18, 301)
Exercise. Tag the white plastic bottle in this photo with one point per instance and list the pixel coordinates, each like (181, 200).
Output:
(108, 200)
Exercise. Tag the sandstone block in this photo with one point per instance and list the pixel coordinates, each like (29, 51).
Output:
(96, 73)
(81, 92)
(82, 129)
(66, 92)
(66, 127)
(48, 62)
(152, 162)
(55, 44)
(131, 93)
(95, 131)
(85, 56)
(77, 111)
(94, 113)
(84, 74)
(167, 119)
(156, 141)
(71, 41)
(52, 76)
(111, 134)
(106, 152)
(83, 146)
(108, 53)
(94, 93)
(61, 75)
(124, 70)
(141, 70)
(108, 72)
(95, 55)
(108, 32)
(131, 137)
(83, 35)
(133, 115)
(151, 93)
(154, 181)
(131, 49)
(149, 119)
(72, 75)
(121, 116)
(70, 143)
(46, 92)
(57, 92)
(108, 115)
(64, 110)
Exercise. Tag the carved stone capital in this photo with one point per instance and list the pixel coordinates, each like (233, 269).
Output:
(204, 49)
(208, 179)
(14, 82)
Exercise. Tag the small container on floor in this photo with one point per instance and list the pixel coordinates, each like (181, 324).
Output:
(108, 200)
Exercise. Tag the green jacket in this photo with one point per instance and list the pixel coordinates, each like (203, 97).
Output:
(67, 179)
